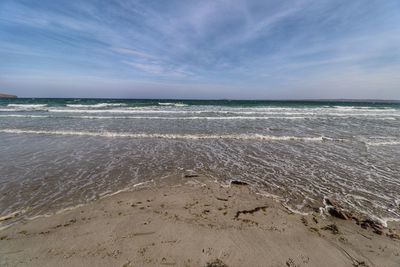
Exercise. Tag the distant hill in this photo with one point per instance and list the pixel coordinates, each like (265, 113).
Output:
(7, 96)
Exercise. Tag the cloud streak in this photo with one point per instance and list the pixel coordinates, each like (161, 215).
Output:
(258, 49)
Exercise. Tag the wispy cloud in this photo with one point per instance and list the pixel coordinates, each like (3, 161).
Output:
(150, 68)
(267, 48)
(129, 51)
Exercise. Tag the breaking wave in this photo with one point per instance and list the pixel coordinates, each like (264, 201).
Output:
(173, 104)
(99, 105)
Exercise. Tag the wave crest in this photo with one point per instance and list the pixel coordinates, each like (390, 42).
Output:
(173, 104)
(99, 105)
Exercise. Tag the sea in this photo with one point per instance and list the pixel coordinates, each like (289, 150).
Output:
(60, 153)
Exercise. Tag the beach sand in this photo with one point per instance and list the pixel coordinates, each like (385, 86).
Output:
(196, 223)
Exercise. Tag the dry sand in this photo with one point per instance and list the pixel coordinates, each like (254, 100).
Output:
(198, 223)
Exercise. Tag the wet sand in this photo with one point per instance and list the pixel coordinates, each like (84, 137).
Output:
(196, 223)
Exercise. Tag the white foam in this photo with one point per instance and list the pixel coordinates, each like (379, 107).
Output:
(383, 143)
(27, 105)
(385, 220)
(7, 109)
(23, 116)
(167, 136)
(375, 109)
(122, 111)
(185, 118)
(173, 104)
(311, 114)
(177, 118)
(99, 105)
(295, 211)
(154, 117)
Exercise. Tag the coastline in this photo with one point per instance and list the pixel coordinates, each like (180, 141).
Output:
(197, 223)
(7, 96)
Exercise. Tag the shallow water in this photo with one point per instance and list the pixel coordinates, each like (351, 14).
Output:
(58, 153)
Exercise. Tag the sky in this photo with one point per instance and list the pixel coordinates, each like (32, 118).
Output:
(216, 49)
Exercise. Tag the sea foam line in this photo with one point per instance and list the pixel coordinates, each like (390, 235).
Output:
(172, 104)
(24, 116)
(113, 108)
(156, 117)
(148, 111)
(383, 143)
(27, 105)
(169, 136)
(99, 105)
(190, 117)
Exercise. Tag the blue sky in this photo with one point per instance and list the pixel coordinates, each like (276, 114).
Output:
(259, 49)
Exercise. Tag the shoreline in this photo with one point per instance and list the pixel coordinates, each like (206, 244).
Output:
(6, 220)
(8, 217)
(194, 224)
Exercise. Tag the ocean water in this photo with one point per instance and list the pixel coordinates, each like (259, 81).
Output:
(57, 153)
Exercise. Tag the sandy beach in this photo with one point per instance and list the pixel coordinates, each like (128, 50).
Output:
(247, 133)
(195, 223)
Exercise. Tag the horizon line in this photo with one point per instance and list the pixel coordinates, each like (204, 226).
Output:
(224, 99)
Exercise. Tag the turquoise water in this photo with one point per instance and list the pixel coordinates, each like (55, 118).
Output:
(56, 153)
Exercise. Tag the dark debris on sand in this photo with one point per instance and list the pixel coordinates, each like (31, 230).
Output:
(332, 227)
(337, 211)
(251, 211)
(238, 182)
(216, 263)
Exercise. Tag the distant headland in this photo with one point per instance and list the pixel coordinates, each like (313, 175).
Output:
(7, 96)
